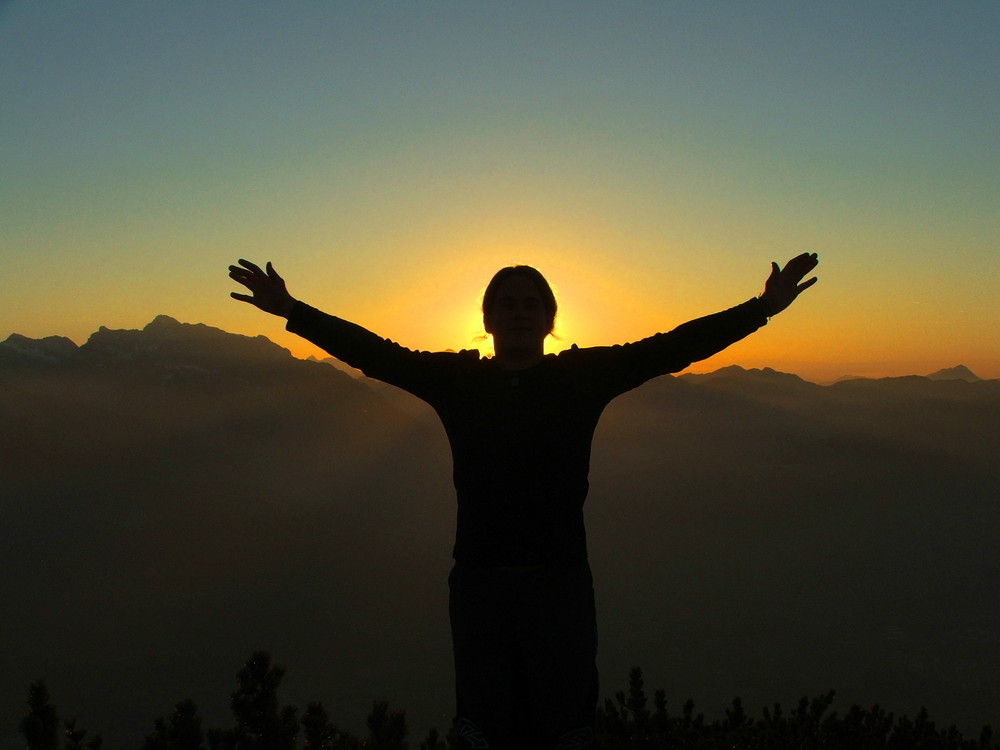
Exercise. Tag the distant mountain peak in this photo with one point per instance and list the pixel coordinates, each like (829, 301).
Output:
(50, 350)
(164, 345)
(766, 374)
(959, 372)
(164, 322)
(167, 341)
(759, 372)
(730, 370)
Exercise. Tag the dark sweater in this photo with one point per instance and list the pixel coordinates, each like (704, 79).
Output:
(520, 440)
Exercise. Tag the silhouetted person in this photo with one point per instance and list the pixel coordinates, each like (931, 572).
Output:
(520, 426)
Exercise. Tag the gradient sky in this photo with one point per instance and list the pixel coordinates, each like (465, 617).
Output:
(651, 158)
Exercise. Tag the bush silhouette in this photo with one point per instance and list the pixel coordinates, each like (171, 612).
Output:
(626, 722)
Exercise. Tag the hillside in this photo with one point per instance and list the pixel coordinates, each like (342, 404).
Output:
(177, 497)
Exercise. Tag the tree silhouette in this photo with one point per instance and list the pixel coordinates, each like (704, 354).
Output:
(74, 736)
(660, 720)
(386, 729)
(630, 723)
(261, 722)
(320, 734)
(185, 727)
(181, 732)
(434, 741)
(40, 726)
(159, 739)
(625, 723)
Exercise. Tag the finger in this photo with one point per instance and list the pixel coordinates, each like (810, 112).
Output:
(806, 284)
(806, 262)
(803, 259)
(241, 297)
(800, 266)
(242, 277)
(251, 267)
(273, 274)
(775, 271)
(797, 265)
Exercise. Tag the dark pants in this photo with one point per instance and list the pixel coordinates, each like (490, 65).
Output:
(525, 646)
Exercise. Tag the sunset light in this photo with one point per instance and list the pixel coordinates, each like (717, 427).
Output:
(651, 182)
(484, 547)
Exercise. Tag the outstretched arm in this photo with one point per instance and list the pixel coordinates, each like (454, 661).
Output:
(267, 287)
(785, 284)
(419, 373)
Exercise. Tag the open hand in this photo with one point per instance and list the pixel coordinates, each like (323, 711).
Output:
(785, 284)
(267, 287)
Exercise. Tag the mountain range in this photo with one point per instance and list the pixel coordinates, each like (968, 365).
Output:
(178, 496)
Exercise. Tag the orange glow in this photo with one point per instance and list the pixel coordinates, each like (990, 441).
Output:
(433, 303)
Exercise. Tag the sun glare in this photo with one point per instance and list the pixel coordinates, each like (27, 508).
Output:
(436, 306)
(593, 310)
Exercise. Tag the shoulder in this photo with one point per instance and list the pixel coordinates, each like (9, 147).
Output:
(588, 361)
(596, 355)
(466, 359)
(445, 366)
(612, 370)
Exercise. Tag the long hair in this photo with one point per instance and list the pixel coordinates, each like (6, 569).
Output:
(544, 291)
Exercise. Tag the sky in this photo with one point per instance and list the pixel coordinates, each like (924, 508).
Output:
(650, 158)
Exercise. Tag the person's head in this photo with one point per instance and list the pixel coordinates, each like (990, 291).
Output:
(518, 294)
